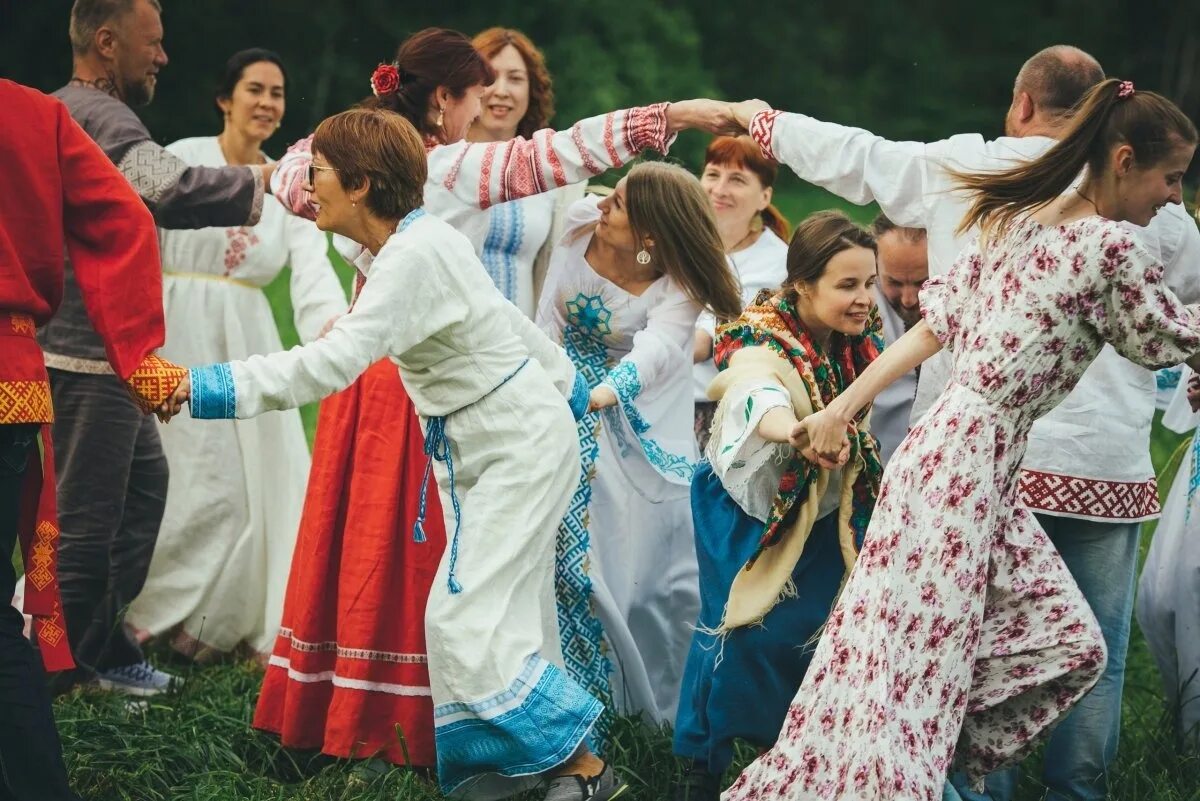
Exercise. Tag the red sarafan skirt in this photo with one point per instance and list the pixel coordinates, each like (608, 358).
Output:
(348, 673)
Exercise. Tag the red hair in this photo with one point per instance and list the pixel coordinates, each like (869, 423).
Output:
(541, 88)
(741, 152)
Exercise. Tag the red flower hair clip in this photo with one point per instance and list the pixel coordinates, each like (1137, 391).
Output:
(386, 79)
(1124, 90)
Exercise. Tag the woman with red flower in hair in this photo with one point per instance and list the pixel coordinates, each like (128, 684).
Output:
(349, 670)
(775, 532)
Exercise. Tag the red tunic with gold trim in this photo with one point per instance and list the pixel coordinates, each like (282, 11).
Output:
(61, 193)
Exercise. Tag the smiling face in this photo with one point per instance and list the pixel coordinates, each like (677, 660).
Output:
(737, 194)
(256, 106)
(335, 206)
(138, 53)
(458, 112)
(506, 102)
(1142, 191)
(841, 298)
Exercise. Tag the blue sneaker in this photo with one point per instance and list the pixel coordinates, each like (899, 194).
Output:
(142, 679)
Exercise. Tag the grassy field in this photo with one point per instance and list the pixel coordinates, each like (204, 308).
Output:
(198, 744)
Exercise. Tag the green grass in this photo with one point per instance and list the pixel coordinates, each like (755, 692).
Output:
(198, 744)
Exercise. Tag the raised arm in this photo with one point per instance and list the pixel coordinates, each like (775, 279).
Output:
(904, 178)
(113, 245)
(177, 194)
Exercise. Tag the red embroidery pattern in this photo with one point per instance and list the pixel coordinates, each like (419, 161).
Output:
(452, 176)
(20, 325)
(485, 176)
(762, 128)
(556, 167)
(647, 128)
(25, 402)
(241, 239)
(608, 141)
(589, 163)
(1110, 500)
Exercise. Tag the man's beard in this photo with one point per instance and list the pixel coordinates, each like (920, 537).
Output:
(138, 93)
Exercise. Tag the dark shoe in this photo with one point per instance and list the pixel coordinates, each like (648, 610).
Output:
(697, 784)
(574, 787)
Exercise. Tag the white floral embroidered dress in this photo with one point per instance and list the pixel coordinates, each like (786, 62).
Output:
(626, 553)
(960, 637)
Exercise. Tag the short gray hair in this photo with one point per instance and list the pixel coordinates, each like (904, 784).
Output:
(89, 16)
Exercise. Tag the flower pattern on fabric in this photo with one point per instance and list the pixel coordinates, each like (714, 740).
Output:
(960, 637)
(241, 239)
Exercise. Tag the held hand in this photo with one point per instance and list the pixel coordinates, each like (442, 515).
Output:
(601, 398)
(714, 116)
(827, 435)
(174, 404)
(744, 112)
(798, 438)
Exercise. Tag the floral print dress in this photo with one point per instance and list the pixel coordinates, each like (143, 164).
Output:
(960, 637)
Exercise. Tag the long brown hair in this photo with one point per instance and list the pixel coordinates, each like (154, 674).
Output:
(741, 152)
(541, 86)
(1109, 115)
(817, 239)
(426, 60)
(667, 204)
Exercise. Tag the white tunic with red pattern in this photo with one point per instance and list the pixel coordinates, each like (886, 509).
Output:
(960, 636)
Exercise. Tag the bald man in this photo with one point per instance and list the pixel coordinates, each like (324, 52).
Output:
(1087, 472)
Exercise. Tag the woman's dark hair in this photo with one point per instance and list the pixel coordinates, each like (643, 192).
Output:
(235, 68)
(816, 240)
(426, 60)
(1111, 114)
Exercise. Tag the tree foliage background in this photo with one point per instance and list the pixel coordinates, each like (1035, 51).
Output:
(923, 69)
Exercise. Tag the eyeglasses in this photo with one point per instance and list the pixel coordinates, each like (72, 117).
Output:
(312, 172)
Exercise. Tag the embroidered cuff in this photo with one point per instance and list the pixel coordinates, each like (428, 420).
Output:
(213, 395)
(579, 397)
(256, 207)
(624, 381)
(646, 128)
(762, 130)
(153, 382)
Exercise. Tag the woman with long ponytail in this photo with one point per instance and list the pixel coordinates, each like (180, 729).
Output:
(960, 637)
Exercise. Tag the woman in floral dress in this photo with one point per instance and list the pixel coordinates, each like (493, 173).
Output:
(960, 637)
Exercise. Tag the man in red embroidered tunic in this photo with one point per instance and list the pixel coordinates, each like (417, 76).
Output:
(112, 478)
(57, 185)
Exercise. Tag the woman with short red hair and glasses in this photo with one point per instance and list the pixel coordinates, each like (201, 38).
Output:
(349, 672)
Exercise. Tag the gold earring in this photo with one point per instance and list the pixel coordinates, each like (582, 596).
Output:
(439, 119)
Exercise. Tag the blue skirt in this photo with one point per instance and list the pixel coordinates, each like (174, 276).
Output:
(760, 668)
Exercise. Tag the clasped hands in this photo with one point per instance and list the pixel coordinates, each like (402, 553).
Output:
(821, 439)
(173, 405)
(715, 116)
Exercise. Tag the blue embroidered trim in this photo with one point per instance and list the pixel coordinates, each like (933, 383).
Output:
(625, 382)
(580, 396)
(213, 394)
(410, 218)
(547, 723)
(506, 230)
(437, 446)
(1168, 378)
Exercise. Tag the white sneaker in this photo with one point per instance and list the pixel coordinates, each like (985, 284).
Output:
(142, 679)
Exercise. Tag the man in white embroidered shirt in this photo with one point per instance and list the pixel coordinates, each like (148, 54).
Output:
(1087, 472)
(902, 261)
